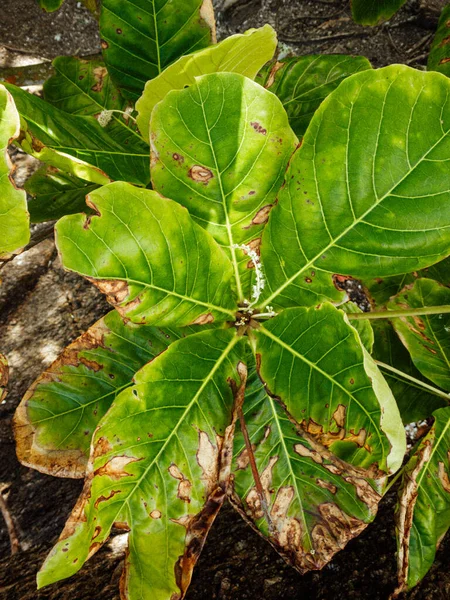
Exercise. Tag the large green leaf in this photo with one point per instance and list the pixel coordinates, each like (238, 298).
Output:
(373, 12)
(439, 58)
(163, 473)
(153, 262)
(82, 87)
(58, 138)
(382, 288)
(303, 82)
(427, 337)
(242, 53)
(56, 194)
(14, 220)
(423, 513)
(55, 421)
(313, 361)
(141, 38)
(370, 197)
(316, 502)
(414, 402)
(220, 148)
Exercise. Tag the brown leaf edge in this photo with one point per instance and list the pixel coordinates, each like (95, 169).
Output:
(4, 376)
(335, 528)
(59, 463)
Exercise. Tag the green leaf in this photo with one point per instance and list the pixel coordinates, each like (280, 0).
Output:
(140, 39)
(373, 12)
(423, 511)
(241, 53)
(427, 336)
(82, 87)
(313, 361)
(78, 144)
(14, 218)
(316, 501)
(163, 473)
(381, 289)
(413, 401)
(220, 148)
(57, 417)
(56, 194)
(50, 5)
(4, 373)
(369, 197)
(303, 82)
(144, 251)
(362, 326)
(439, 58)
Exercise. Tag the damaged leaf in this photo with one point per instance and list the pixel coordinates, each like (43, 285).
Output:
(342, 210)
(163, 474)
(427, 337)
(140, 40)
(227, 165)
(14, 218)
(303, 82)
(312, 361)
(3, 376)
(241, 53)
(423, 510)
(316, 501)
(145, 253)
(57, 417)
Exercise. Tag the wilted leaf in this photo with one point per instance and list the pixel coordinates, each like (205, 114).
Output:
(414, 402)
(313, 361)
(140, 40)
(423, 511)
(367, 198)
(427, 337)
(56, 194)
(163, 474)
(82, 87)
(439, 58)
(155, 265)
(14, 219)
(220, 148)
(373, 12)
(303, 82)
(63, 140)
(55, 421)
(241, 53)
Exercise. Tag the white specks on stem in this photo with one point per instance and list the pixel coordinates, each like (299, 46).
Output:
(259, 284)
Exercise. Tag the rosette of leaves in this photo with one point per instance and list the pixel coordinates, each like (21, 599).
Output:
(258, 387)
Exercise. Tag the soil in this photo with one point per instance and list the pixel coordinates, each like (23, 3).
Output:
(43, 308)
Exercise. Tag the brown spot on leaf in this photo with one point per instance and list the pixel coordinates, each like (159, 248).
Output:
(116, 290)
(445, 41)
(208, 459)
(155, 514)
(258, 128)
(200, 174)
(114, 468)
(203, 319)
(99, 75)
(274, 70)
(339, 415)
(106, 498)
(252, 499)
(365, 492)
(326, 485)
(308, 453)
(443, 61)
(184, 487)
(443, 476)
(178, 158)
(104, 44)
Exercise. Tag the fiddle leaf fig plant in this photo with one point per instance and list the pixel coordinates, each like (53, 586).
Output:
(232, 365)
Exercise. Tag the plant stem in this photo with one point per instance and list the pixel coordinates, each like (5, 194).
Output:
(389, 314)
(392, 481)
(419, 383)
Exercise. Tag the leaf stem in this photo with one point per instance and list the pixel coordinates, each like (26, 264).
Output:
(393, 480)
(411, 312)
(419, 383)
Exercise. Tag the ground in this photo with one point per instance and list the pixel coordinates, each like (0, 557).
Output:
(43, 308)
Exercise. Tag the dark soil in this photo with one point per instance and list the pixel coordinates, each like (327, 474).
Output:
(42, 309)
